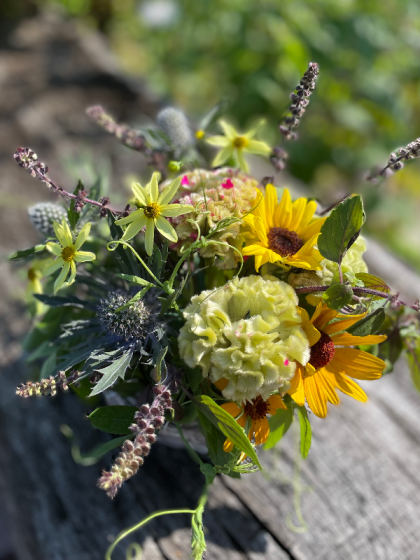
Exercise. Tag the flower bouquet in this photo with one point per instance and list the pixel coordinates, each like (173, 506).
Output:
(212, 298)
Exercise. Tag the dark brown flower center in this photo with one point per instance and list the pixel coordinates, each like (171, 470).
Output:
(284, 242)
(31, 274)
(322, 352)
(257, 409)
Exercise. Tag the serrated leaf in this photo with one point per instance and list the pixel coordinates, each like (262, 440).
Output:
(374, 283)
(340, 228)
(338, 296)
(227, 425)
(113, 419)
(369, 324)
(305, 431)
(112, 372)
(279, 425)
(27, 253)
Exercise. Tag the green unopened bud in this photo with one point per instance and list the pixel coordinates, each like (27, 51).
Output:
(175, 165)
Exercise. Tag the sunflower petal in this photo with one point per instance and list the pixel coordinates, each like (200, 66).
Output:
(270, 204)
(296, 390)
(54, 248)
(283, 212)
(228, 446)
(154, 187)
(131, 218)
(135, 227)
(347, 385)
(342, 325)
(328, 387)
(347, 339)
(313, 228)
(232, 408)
(141, 194)
(262, 429)
(275, 402)
(173, 210)
(316, 396)
(298, 209)
(84, 256)
(357, 363)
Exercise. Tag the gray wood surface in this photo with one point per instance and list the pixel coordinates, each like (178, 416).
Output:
(360, 485)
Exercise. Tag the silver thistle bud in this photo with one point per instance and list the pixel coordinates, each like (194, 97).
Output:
(174, 124)
(43, 214)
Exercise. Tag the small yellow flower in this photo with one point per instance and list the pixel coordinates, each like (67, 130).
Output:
(235, 144)
(68, 253)
(285, 233)
(332, 363)
(200, 134)
(154, 208)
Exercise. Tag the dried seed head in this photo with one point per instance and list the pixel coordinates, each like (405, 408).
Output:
(43, 215)
(131, 323)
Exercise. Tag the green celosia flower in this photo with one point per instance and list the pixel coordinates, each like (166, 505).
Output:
(154, 208)
(236, 144)
(68, 253)
(247, 332)
(215, 195)
(352, 264)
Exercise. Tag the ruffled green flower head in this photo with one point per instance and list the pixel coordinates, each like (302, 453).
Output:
(248, 332)
(352, 264)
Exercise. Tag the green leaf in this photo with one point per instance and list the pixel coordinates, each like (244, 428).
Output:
(279, 424)
(340, 229)
(305, 431)
(27, 253)
(338, 296)
(113, 419)
(227, 425)
(413, 358)
(72, 215)
(123, 255)
(194, 377)
(214, 114)
(215, 441)
(374, 283)
(135, 280)
(138, 296)
(61, 301)
(369, 324)
(112, 372)
(209, 472)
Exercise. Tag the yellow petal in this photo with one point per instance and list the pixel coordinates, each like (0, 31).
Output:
(222, 383)
(232, 408)
(316, 396)
(298, 208)
(283, 213)
(169, 192)
(346, 385)
(312, 333)
(275, 402)
(343, 324)
(313, 228)
(347, 339)
(296, 390)
(228, 446)
(270, 204)
(306, 216)
(262, 429)
(328, 387)
(357, 363)
(148, 238)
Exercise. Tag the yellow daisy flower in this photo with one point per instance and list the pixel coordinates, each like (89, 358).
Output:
(154, 208)
(235, 144)
(257, 411)
(332, 363)
(283, 232)
(68, 253)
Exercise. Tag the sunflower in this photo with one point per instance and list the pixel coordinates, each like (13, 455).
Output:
(332, 363)
(283, 232)
(256, 410)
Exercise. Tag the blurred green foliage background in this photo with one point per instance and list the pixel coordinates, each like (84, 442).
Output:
(367, 101)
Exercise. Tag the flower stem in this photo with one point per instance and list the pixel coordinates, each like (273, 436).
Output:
(120, 241)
